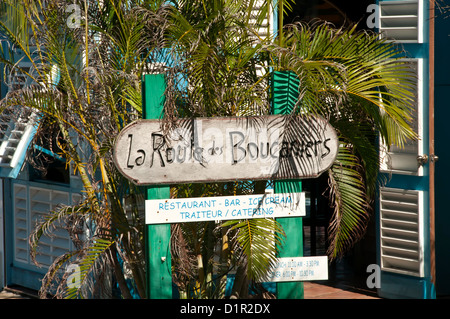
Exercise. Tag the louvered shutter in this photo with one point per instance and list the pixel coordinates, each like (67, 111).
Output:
(30, 205)
(17, 128)
(403, 160)
(401, 227)
(401, 210)
(404, 233)
(266, 27)
(400, 21)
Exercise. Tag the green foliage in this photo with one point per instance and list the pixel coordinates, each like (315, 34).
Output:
(84, 83)
(217, 54)
(259, 240)
(361, 85)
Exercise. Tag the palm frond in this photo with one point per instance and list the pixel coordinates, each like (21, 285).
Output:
(350, 202)
(52, 276)
(218, 56)
(95, 253)
(258, 240)
(335, 65)
(50, 222)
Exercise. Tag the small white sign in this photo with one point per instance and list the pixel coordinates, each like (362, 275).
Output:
(299, 269)
(181, 210)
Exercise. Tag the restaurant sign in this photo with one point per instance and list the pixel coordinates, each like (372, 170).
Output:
(225, 149)
(182, 210)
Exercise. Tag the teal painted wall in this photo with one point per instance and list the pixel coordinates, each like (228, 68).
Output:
(442, 149)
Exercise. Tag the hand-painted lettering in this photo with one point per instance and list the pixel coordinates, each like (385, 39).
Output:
(148, 155)
(158, 142)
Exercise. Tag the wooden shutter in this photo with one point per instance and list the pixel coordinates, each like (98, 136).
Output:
(404, 160)
(400, 21)
(401, 235)
(30, 205)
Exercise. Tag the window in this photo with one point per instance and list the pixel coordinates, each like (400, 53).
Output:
(46, 165)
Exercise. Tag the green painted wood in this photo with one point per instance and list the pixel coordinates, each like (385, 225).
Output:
(285, 94)
(293, 246)
(159, 274)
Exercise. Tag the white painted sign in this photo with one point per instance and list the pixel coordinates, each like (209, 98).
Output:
(225, 149)
(299, 269)
(181, 210)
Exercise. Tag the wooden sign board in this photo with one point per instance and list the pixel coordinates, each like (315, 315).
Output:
(225, 149)
(299, 269)
(181, 210)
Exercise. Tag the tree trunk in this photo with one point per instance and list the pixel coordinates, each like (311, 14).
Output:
(241, 282)
(126, 294)
(224, 264)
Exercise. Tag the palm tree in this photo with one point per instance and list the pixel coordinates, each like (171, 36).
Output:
(219, 55)
(359, 83)
(85, 84)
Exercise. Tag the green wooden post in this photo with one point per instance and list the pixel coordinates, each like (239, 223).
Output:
(159, 274)
(285, 94)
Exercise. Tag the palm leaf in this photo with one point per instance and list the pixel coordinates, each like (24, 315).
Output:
(93, 254)
(50, 221)
(259, 240)
(333, 65)
(350, 202)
